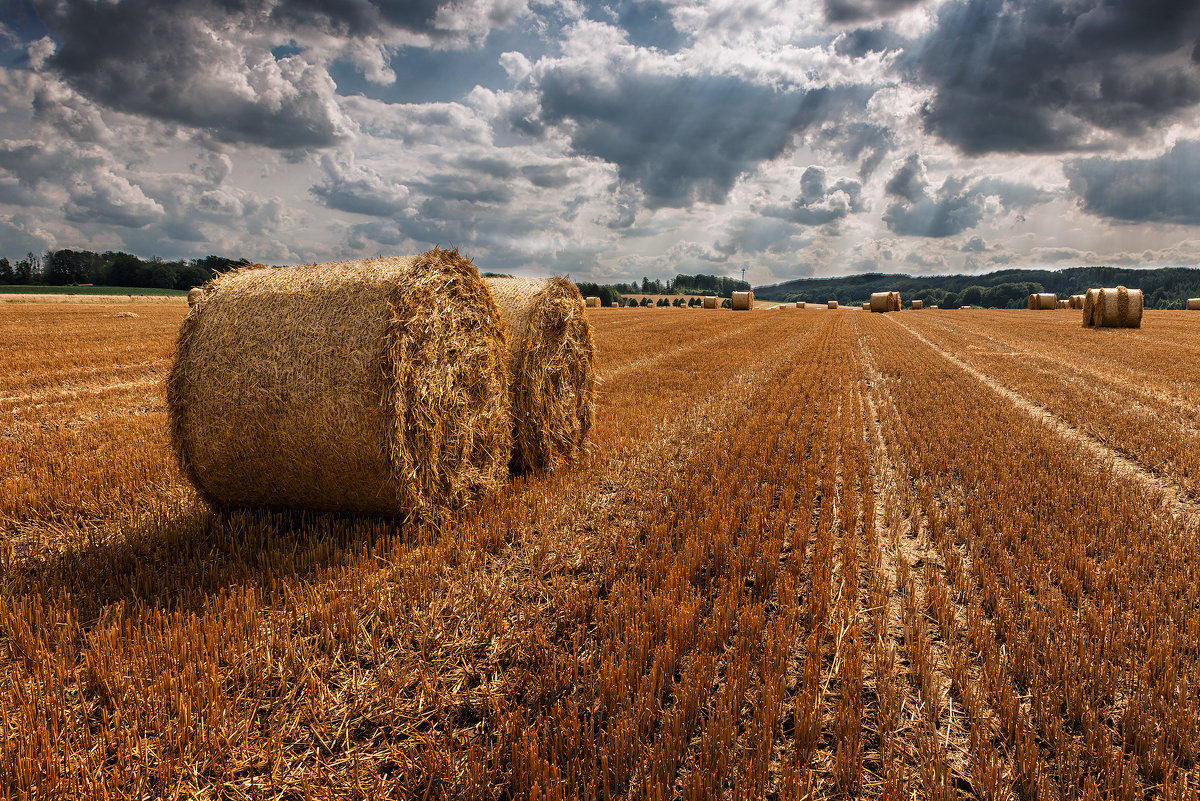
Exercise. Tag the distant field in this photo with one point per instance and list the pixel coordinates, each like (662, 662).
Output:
(27, 289)
(810, 555)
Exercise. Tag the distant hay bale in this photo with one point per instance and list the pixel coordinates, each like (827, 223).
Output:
(964, 307)
(1089, 307)
(195, 295)
(918, 305)
(867, 306)
(712, 302)
(1043, 301)
(880, 302)
(833, 304)
(373, 387)
(934, 306)
(1193, 304)
(592, 302)
(1064, 304)
(743, 301)
(552, 378)
(1076, 301)
(800, 304)
(1118, 307)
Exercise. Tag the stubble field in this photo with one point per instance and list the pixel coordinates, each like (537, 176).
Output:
(824, 554)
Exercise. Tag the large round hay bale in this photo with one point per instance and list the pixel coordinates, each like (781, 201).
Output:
(195, 295)
(833, 304)
(917, 305)
(712, 302)
(1043, 301)
(592, 302)
(377, 387)
(1193, 304)
(552, 378)
(1118, 307)
(743, 301)
(880, 302)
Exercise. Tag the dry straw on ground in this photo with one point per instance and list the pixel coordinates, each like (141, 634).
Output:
(742, 301)
(918, 304)
(1193, 304)
(833, 304)
(712, 302)
(1043, 301)
(1117, 307)
(552, 376)
(377, 386)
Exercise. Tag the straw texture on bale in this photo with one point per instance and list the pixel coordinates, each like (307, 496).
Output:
(593, 302)
(1117, 307)
(833, 304)
(1076, 301)
(376, 387)
(1043, 301)
(1193, 304)
(1064, 304)
(195, 295)
(1089, 307)
(918, 304)
(552, 378)
(895, 301)
(712, 302)
(742, 301)
(880, 302)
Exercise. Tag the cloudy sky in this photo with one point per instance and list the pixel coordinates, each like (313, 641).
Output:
(609, 139)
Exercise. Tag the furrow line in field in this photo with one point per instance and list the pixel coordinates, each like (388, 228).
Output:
(1178, 498)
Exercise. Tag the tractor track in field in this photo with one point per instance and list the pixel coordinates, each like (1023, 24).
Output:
(1180, 501)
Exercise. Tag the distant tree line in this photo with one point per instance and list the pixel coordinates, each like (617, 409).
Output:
(1162, 287)
(112, 268)
(611, 294)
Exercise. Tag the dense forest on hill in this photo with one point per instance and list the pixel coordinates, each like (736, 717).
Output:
(1162, 287)
(112, 268)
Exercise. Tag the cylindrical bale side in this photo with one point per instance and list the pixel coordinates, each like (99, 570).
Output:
(743, 301)
(880, 302)
(833, 304)
(376, 387)
(712, 302)
(1089, 307)
(1193, 304)
(195, 295)
(895, 300)
(1119, 307)
(917, 305)
(592, 302)
(552, 378)
(799, 304)
(1045, 301)
(1032, 302)
(1064, 303)
(867, 306)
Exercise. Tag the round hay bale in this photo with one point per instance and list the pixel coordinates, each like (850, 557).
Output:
(1043, 301)
(592, 302)
(1118, 307)
(867, 306)
(374, 387)
(833, 304)
(743, 301)
(799, 304)
(880, 302)
(712, 302)
(934, 306)
(195, 295)
(1076, 301)
(1090, 299)
(918, 305)
(894, 299)
(1193, 304)
(552, 378)
(1064, 304)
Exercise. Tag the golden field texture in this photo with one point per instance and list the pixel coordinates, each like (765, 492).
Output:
(882, 556)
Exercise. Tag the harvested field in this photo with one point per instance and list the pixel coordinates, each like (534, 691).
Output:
(823, 566)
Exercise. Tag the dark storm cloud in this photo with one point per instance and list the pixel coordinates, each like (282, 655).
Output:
(1164, 189)
(817, 203)
(860, 42)
(859, 10)
(160, 60)
(957, 205)
(864, 142)
(352, 17)
(1032, 76)
(682, 138)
